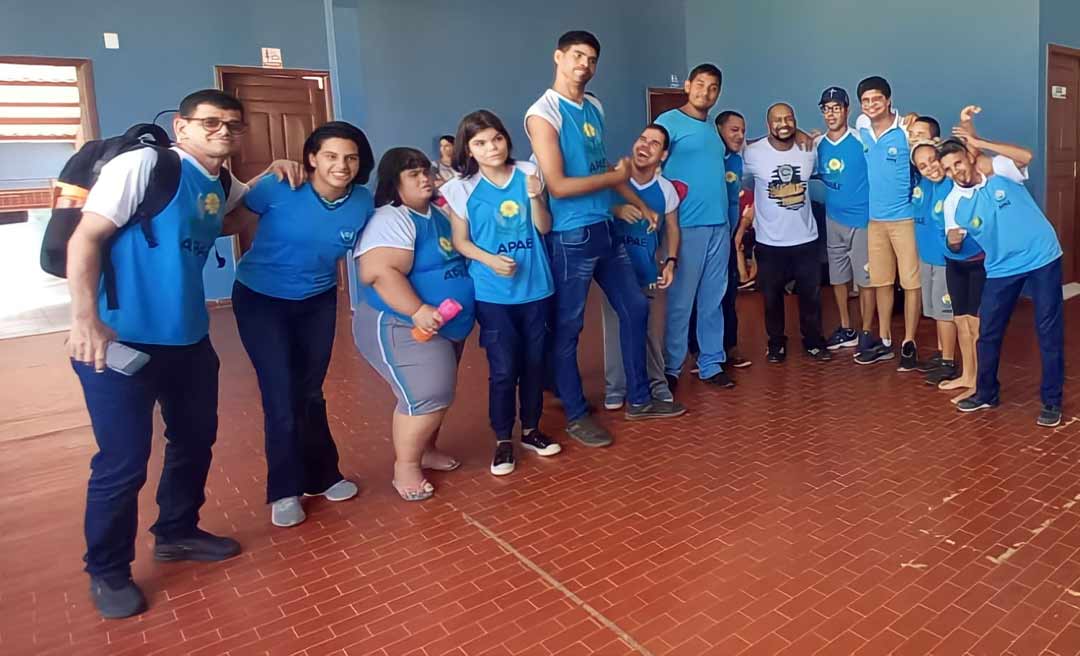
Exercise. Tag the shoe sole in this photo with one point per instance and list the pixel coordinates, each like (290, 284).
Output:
(591, 443)
(982, 406)
(612, 406)
(742, 365)
(939, 381)
(502, 470)
(279, 525)
(1047, 425)
(338, 499)
(169, 555)
(837, 347)
(551, 450)
(652, 415)
(876, 360)
(902, 369)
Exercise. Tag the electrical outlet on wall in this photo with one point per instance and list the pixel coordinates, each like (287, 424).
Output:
(112, 41)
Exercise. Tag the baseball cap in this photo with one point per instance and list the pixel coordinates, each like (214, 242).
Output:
(834, 94)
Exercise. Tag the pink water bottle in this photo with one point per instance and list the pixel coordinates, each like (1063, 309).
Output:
(448, 309)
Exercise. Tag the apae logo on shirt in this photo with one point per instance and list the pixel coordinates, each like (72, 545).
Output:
(209, 205)
(787, 187)
(348, 237)
(1001, 199)
(917, 194)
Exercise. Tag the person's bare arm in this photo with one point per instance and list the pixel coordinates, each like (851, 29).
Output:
(89, 337)
(541, 216)
(386, 269)
(545, 144)
(500, 264)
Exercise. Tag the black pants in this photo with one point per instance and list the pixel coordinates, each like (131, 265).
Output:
(731, 320)
(776, 266)
(513, 336)
(289, 343)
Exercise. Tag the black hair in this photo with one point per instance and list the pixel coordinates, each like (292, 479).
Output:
(707, 69)
(341, 130)
(473, 123)
(935, 127)
(662, 130)
(723, 117)
(214, 98)
(874, 83)
(579, 37)
(951, 146)
(447, 137)
(393, 163)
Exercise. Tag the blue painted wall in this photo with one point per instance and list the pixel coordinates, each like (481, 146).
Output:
(1059, 23)
(424, 64)
(167, 49)
(30, 164)
(774, 50)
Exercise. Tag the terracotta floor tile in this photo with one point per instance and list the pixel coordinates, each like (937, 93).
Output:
(776, 518)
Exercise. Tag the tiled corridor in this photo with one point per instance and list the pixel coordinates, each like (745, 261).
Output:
(815, 509)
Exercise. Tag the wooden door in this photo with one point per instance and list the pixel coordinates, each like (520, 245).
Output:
(282, 107)
(660, 100)
(1063, 152)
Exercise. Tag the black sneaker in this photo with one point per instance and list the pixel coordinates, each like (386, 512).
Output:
(947, 371)
(866, 342)
(1050, 416)
(118, 598)
(655, 410)
(540, 443)
(909, 357)
(720, 379)
(737, 362)
(503, 461)
(818, 353)
(672, 382)
(933, 364)
(842, 338)
(200, 546)
(877, 352)
(588, 432)
(776, 354)
(972, 404)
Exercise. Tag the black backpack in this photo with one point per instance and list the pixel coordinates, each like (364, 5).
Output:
(81, 172)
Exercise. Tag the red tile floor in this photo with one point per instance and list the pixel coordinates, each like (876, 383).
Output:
(815, 509)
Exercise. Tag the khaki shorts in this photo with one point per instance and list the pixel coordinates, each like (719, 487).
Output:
(892, 246)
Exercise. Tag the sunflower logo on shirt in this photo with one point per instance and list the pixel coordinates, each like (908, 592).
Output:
(836, 165)
(946, 299)
(976, 223)
(917, 194)
(730, 177)
(939, 207)
(509, 209)
(589, 130)
(446, 246)
(211, 204)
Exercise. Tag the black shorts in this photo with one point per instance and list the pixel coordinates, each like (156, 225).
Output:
(964, 280)
(748, 244)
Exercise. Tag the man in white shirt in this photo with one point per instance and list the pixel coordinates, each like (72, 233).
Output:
(786, 232)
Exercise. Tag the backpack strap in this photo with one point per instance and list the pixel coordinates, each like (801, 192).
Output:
(160, 190)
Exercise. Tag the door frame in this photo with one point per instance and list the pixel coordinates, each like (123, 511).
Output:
(1074, 53)
(220, 71)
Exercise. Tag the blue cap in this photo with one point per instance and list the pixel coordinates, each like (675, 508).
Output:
(834, 94)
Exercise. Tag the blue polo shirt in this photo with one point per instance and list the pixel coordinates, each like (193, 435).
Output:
(927, 199)
(581, 140)
(1010, 227)
(696, 158)
(842, 169)
(888, 170)
(733, 165)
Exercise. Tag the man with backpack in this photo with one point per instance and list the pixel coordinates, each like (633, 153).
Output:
(140, 336)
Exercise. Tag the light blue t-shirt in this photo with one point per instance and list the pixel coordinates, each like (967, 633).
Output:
(300, 238)
(661, 197)
(159, 291)
(581, 140)
(888, 170)
(696, 158)
(1007, 223)
(842, 169)
(733, 172)
(438, 271)
(927, 200)
(501, 222)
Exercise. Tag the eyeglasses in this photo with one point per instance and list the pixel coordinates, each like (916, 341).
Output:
(213, 124)
(832, 109)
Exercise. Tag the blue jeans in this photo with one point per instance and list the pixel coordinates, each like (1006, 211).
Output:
(998, 300)
(184, 381)
(700, 282)
(513, 336)
(578, 256)
(289, 343)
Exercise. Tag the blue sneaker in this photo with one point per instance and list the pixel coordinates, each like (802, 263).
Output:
(876, 352)
(842, 338)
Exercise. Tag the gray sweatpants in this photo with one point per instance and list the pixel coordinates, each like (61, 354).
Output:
(614, 373)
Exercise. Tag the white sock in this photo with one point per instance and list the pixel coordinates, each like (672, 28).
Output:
(886, 342)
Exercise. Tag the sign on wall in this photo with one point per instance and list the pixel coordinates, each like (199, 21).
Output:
(271, 58)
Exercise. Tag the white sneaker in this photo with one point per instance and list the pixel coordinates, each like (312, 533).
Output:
(343, 490)
(287, 512)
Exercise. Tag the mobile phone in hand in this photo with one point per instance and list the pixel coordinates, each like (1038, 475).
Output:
(124, 360)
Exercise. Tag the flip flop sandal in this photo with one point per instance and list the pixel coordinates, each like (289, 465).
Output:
(424, 491)
(454, 464)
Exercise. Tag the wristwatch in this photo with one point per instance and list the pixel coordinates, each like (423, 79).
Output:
(674, 260)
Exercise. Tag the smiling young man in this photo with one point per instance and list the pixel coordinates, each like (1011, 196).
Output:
(891, 229)
(160, 310)
(786, 232)
(696, 158)
(731, 126)
(841, 165)
(566, 129)
(988, 205)
(642, 245)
